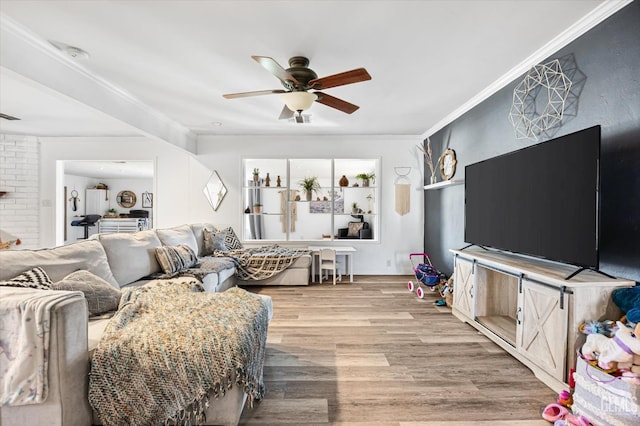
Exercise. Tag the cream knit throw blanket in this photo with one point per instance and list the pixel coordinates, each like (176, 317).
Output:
(170, 347)
(260, 263)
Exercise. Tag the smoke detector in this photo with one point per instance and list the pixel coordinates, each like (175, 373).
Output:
(72, 51)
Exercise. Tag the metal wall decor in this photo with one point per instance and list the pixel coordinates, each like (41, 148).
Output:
(215, 190)
(539, 100)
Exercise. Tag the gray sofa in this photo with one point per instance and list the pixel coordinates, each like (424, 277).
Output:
(122, 260)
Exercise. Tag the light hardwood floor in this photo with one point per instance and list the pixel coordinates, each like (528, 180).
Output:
(371, 353)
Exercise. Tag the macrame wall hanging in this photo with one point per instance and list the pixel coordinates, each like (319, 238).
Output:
(402, 189)
(539, 100)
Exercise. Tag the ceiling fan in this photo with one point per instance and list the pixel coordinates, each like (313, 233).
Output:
(302, 85)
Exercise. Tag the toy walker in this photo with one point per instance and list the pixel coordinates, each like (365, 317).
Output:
(425, 274)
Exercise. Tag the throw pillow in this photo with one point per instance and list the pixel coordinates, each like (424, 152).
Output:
(33, 278)
(231, 240)
(101, 296)
(354, 229)
(174, 259)
(214, 240)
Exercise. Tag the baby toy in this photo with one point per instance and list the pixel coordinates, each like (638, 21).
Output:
(615, 352)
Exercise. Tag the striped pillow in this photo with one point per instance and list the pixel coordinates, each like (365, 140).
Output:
(174, 259)
(33, 278)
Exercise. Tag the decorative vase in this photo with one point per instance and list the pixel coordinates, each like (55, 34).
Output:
(365, 182)
(278, 181)
(309, 195)
(343, 181)
(256, 178)
(267, 180)
(433, 179)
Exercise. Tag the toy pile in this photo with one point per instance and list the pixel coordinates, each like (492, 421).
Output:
(558, 413)
(611, 347)
(614, 346)
(445, 288)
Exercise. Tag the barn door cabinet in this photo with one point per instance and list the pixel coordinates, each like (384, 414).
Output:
(527, 307)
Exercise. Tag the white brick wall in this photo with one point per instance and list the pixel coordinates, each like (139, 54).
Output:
(19, 177)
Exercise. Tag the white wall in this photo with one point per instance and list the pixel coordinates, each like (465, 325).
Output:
(19, 208)
(79, 184)
(177, 174)
(137, 186)
(398, 235)
(180, 178)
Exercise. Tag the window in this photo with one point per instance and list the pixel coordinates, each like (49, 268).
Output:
(310, 199)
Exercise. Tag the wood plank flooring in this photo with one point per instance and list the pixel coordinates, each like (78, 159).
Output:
(371, 353)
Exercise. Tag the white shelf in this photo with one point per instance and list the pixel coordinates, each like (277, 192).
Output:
(443, 184)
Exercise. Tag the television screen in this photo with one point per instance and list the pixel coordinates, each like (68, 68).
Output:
(540, 201)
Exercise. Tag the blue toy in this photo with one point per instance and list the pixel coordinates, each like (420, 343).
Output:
(425, 273)
(628, 299)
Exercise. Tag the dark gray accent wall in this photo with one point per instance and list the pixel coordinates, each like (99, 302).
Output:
(604, 65)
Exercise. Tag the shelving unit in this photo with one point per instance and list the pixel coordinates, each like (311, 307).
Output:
(287, 215)
(444, 184)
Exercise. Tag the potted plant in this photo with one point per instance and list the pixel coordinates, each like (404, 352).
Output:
(366, 177)
(111, 212)
(310, 184)
(256, 174)
(257, 208)
(354, 208)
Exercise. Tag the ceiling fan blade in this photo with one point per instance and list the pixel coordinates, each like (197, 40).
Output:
(347, 77)
(256, 93)
(286, 113)
(276, 69)
(336, 103)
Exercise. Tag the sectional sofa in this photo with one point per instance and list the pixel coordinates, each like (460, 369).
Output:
(123, 260)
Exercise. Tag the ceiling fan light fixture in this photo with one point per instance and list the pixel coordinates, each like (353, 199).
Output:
(298, 101)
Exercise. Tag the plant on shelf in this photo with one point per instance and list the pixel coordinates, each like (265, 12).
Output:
(310, 185)
(256, 174)
(366, 177)
(257, 208)
(354, 208)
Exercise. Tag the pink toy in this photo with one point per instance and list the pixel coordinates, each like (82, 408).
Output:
(615, 352)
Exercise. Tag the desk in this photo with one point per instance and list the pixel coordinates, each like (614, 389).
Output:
(347, 252)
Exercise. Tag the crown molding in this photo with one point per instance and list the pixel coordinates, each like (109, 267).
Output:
(593, 18)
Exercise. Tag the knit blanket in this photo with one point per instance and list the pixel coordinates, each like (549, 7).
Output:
(170, 347)
(204, 267)
(24, 342)
(262, 262)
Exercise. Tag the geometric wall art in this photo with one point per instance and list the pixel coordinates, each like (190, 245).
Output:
(539, 100)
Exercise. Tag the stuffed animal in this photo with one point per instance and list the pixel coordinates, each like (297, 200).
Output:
(615, 352)
(628, 299)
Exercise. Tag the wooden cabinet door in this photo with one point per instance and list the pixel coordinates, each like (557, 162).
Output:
(463, 287)
(542, 327)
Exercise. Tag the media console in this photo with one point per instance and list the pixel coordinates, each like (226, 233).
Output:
(526, 306)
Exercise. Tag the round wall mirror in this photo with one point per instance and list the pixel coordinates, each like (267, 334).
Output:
(126, 199)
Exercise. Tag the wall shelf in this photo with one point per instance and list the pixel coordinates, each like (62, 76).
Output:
(443, 184)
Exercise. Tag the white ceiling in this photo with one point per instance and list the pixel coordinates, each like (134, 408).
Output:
(110, 169)
(426, 58)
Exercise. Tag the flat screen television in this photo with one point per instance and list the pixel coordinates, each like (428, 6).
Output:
(540, 201)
